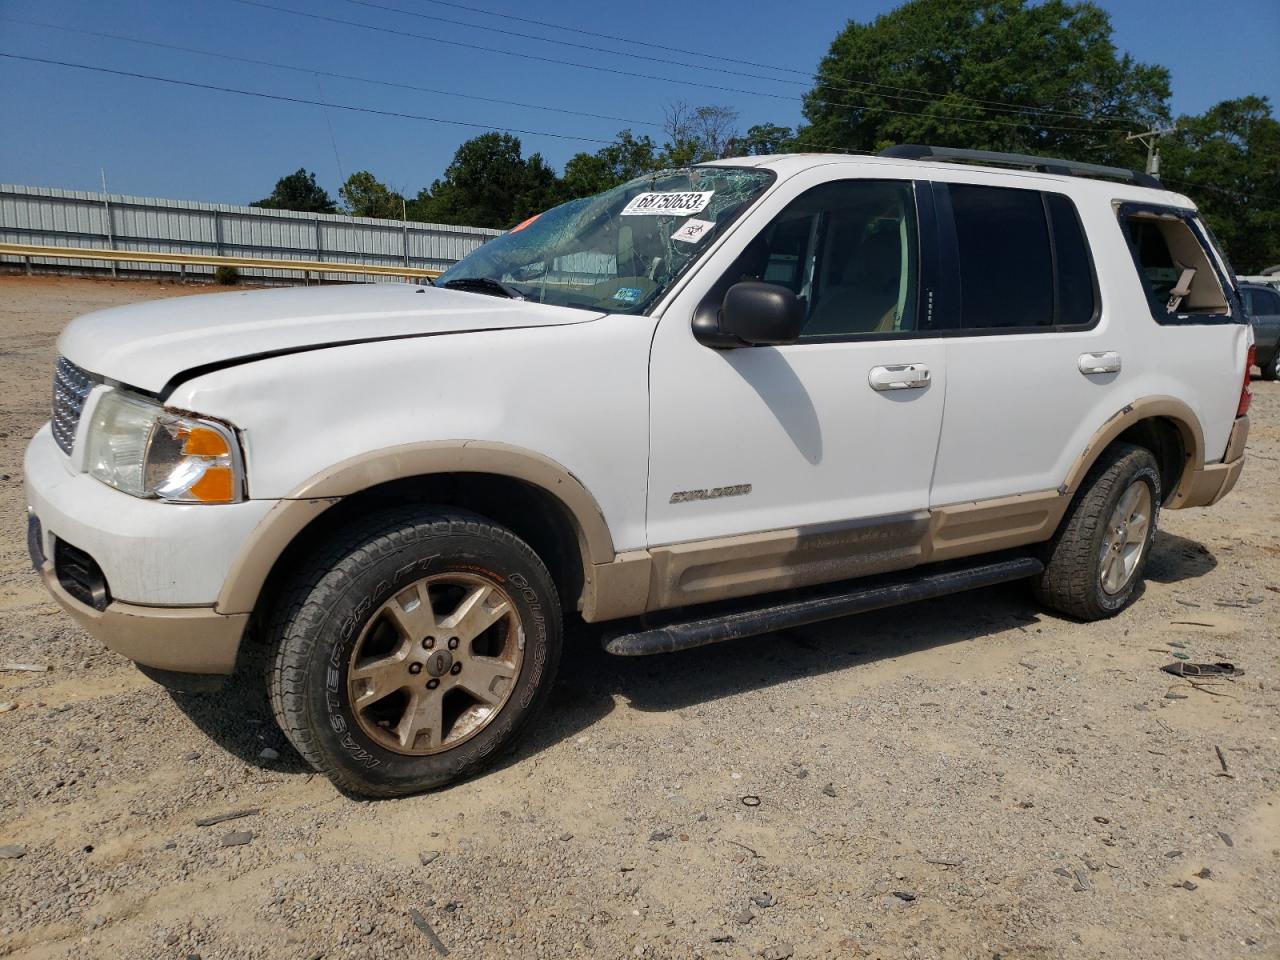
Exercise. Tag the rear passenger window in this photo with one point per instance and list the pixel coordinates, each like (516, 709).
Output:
(1077, 304)
(1177, 273)
(1022, 257)
(1006, 266)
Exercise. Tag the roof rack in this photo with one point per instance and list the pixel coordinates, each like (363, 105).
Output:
(1066, 168)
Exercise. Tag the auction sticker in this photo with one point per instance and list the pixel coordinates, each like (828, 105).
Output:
(670, 204)
(692, 230)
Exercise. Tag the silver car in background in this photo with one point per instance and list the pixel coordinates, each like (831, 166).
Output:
(1262, 301)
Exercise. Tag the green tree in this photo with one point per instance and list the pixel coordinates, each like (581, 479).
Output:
(931, 71)
(298, 191)
(625, 159)
(366, 196)
(489, 184)
(1228, 160)
(764, 138)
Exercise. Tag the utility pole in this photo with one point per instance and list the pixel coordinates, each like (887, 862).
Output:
(1149, 139)
(106, 209)
(404, 236)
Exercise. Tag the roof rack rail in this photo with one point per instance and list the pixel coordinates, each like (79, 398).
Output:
(1066, 168)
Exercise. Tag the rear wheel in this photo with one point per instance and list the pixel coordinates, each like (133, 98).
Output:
(1097, 557)
(415, 651)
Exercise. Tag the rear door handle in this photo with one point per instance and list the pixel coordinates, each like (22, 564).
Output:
(1092, 364)
(899, 376)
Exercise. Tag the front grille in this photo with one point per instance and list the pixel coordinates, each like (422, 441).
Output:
(80, 575)
(71, 386)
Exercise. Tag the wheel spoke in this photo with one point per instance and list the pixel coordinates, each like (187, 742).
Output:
(420, 727)
(480, 609)
(1129, 501)
(483, 678)
(412, 614)
(374, 679)
(1130, 553)
(1138, 528)
(1112, 572)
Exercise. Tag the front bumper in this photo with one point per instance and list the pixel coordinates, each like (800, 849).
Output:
(161, 565)
(181, 639)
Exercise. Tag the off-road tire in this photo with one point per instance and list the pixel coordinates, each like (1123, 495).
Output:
(1072, 579)
(323, 611)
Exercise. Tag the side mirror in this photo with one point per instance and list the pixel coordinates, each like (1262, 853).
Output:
(761, 314)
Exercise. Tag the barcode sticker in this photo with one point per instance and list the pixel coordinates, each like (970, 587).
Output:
(670, 204)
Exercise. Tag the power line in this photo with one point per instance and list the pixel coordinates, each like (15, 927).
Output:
(348, 107)
(628, 73)
(809, 76)
(313, 103)
(847, 85)
(1226, 193)
(323, 73)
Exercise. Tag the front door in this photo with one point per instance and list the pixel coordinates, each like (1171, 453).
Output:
(776, 466)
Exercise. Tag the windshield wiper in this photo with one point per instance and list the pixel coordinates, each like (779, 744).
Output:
(494, 288)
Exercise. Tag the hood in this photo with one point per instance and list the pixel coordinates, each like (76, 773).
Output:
(149, 345)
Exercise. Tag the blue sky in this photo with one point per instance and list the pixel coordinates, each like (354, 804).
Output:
(60, 126)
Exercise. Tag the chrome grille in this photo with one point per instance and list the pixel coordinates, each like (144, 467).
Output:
(71, 386)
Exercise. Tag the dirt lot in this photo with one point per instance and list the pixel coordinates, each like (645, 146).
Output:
(968, 777)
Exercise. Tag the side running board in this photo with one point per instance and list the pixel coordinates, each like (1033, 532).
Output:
(812, 609)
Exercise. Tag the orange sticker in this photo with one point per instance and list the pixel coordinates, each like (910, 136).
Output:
(524, 223)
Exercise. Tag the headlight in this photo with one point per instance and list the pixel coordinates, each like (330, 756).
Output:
(141, 448)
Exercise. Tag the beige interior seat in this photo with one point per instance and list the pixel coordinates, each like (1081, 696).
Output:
(864, 295)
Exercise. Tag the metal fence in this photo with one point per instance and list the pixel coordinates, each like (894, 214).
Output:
(74, 218)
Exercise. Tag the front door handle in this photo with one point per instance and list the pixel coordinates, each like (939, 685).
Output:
(1092, 364)
(899, 376)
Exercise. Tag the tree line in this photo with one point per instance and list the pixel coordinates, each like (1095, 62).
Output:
(1008, 75)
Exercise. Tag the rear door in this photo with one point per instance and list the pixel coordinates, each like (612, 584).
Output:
(1032, 359)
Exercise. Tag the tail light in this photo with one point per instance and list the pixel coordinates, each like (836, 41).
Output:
(1245, 396)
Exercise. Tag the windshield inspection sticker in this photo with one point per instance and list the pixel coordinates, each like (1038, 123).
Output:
(671, 204)
(628, 294)
(691, 231)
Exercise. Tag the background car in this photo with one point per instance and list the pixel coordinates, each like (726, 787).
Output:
(1263, 303)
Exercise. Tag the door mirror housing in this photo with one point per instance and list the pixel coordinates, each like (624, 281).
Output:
(761, 314)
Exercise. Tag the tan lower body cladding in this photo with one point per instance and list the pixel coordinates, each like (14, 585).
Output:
(702, 571)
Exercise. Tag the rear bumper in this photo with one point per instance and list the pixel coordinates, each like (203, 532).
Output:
(181, 639)
(1214, 481)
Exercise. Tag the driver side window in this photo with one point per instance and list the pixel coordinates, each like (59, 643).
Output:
(849, 250)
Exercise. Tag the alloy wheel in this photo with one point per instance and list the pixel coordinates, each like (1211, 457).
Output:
(436, 663)
(1125, 538)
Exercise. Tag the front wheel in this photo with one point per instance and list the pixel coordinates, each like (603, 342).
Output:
(1097, 556)
(416, 650)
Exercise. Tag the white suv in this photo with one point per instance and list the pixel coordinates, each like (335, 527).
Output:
(785, 388)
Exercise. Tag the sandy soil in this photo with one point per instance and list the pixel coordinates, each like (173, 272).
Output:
(1038, 788)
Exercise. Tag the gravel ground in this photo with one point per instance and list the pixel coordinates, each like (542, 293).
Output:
(969, 777)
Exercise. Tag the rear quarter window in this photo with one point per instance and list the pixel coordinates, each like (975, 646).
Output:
(1177, 271)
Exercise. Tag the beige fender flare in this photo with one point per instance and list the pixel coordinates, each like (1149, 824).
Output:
(291, 515)
(1148, 408)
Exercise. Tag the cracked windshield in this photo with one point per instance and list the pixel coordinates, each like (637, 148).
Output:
(616, 251)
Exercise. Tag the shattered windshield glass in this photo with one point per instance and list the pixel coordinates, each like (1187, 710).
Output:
(616, 251)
